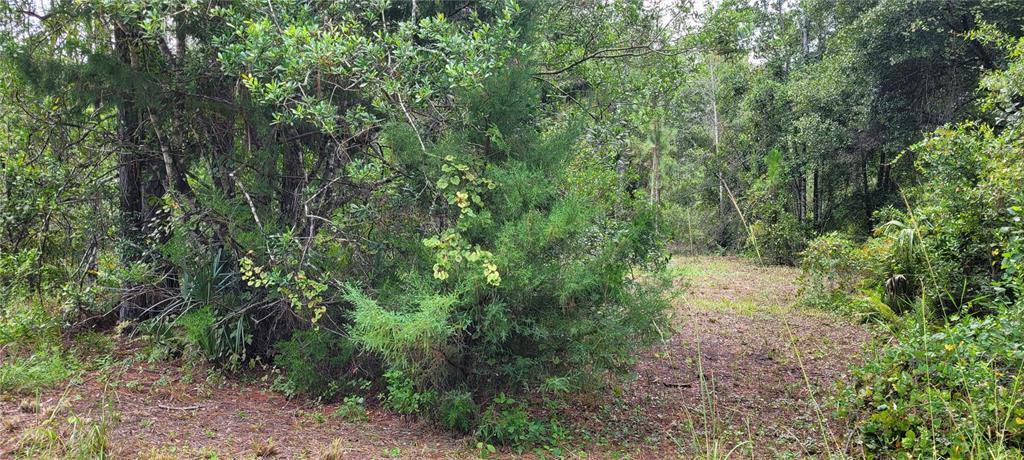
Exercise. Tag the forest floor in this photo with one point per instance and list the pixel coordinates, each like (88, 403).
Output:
(746, 373)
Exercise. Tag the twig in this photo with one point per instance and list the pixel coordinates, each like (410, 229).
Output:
(197, 406)
(248, 199)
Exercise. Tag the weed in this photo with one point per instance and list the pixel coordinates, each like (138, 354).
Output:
(265, 449)
(485, 450)
(402, 396)
(29, 406)
(82, 439)
(316, 416)
(352, 409)
(506, 422)
(457, 411)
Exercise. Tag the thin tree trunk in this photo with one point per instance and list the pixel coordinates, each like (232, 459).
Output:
(801, 196)
(130, 166)
(716, 131)
(291, 183)
(655, 165)
(816, 196)
(175, 179)
(882, 183)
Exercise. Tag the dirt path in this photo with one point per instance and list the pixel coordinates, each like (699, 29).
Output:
(745, 373)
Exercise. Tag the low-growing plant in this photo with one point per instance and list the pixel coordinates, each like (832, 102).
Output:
(403, 397)
(457, 411)
(43, 368)
(352, 409)
(953, 391)
(70, 437)
(25, 326)
(506, 422)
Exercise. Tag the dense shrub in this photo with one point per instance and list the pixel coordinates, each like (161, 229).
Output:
(316, 363)
(404, 397)
(954, 391)
(531, 278)
(775, 235)
(457, 411)
(839, 273)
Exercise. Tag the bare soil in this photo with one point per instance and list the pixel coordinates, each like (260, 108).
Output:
(745, 373)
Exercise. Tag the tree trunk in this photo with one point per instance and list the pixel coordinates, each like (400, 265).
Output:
(655, 160)
(865, 191)
(175, 179)
(130, 166)
(882, 183)
(801, 197)
(292, 182)
(816, 194)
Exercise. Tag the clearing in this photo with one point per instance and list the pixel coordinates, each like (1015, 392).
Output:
(746, 373)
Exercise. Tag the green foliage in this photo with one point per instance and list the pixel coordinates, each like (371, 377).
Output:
(950, 385)
(33, 357)
(457, 411)
(27, 325)
(316, 363)
(506, 422)
(836, 271)
(406, 340)
(199, 333)
(352, 409)
(403, 397)
(84, 438)
(775, 236)
(42, 369)
(417, 192)
(945, 392)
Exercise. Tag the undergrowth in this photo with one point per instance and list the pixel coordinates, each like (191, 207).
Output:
(944, 278)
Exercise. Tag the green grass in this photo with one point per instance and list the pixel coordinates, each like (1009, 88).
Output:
(65, 434)
(690, 268)
(42, 369)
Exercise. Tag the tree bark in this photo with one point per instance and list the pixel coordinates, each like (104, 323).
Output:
(292, 183)
(882, 183)
(130, 165)
(865, 191)
(816, 194)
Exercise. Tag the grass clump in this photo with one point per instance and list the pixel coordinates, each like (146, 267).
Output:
(44, 368)
(31, 357)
